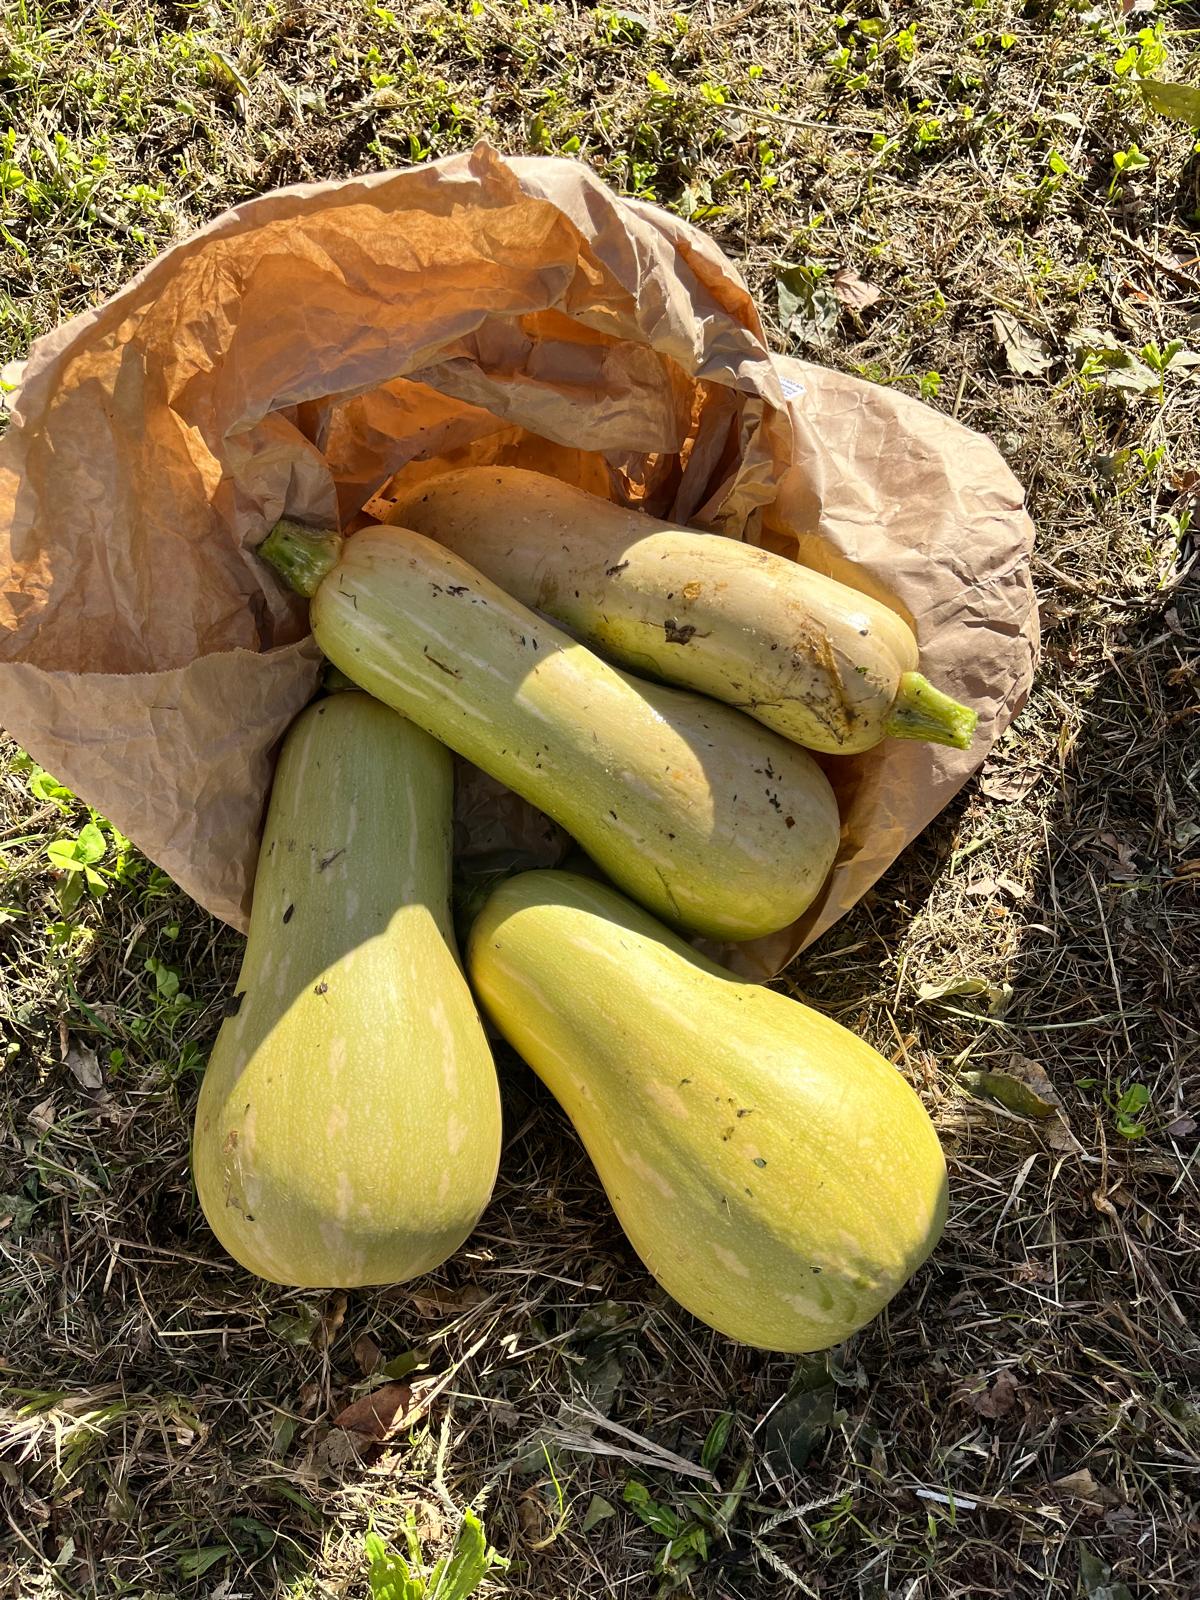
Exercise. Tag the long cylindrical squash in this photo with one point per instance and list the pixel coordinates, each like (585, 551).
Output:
(348, 1127)
(716, 823)
(775, 1174)
(818, 661)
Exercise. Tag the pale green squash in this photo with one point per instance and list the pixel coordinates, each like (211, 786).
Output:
(818, 661)
(715, 822)
(774, 1173)
(348, 1126)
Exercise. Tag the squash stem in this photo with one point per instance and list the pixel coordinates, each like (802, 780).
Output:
(302, 556)
(922, 712)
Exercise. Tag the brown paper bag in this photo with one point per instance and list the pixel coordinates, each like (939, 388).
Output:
(307, 346)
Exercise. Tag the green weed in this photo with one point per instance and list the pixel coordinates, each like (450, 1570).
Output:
(393, 1576)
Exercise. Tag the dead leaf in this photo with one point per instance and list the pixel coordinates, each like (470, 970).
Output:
(1123, 852)
(534, 1518)
(82, 1065)
(1181, 1127)
(367, 1353)
(998, 1399)
(435, 1302)
(337, 1451)
(1026, 1091)
(1001, 884)
(1056, 1131)
(1009, 1091)
(504, 1415)
(1083, 1486)
(996, 995)
(1001, 780)
(1027, 355)
(1178, 100)
(384, 1410)
(331, 1320)
(852, 291)
(1035, 1076)
(41, 1117)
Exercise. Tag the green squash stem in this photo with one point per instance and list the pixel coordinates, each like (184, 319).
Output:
(302, 556)
(922, 712)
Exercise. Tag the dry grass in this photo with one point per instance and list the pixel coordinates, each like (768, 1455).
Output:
(1026, 1414)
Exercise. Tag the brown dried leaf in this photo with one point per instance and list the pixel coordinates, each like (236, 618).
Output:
(534, 1518)
(1082, 1485)
(338, 1451)
(82, 1065)
(1001, 884)
(331, 1320)
(1027, 355)
(435, 1302)
(1035, 1077)
(998, 1399)
(1123, 852)
(367, 1353)
(376, 1415)
(1008, 782)
(852, 291)
(41, 1117)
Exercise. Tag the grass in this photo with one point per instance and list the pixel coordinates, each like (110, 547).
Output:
(1023, 1420)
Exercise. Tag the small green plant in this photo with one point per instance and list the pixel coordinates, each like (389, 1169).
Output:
(47, 789)
(1159, 360)
(166, 979)
(77, 858)
(1128, 1108)
(1145, 56)
(392, 1576)
(1125, 162)
(696, 1520)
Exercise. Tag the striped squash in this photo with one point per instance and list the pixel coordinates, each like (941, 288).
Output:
(821, 663)
(714, 822)
(348, 1126)
(778, 1177)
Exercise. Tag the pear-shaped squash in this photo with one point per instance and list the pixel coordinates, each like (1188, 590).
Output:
(775, 1174)
(348, 1127)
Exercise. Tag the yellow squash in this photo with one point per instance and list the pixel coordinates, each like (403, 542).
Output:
(348, 1127)
(777, 1176)
(716, 823)
(818, 661)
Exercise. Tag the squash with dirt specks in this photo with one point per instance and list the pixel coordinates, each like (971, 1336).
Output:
(778, 1177)
(818, 661)
(713, 821)
(348, 1126)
